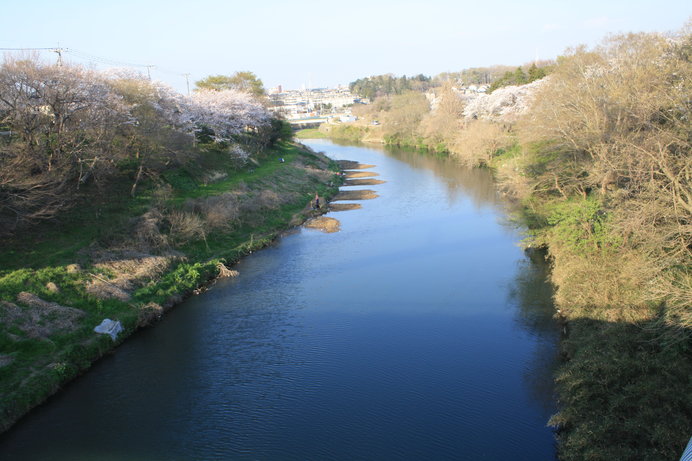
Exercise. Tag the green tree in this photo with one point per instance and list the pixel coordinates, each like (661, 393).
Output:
(242, 81)
(536, 73)
(385, 85)
(519, 77)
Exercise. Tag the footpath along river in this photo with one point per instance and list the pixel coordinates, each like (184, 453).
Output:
(418, 331)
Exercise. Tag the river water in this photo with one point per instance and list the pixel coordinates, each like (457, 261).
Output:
(419, 331)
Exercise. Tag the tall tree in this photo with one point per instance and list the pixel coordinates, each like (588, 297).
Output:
(245, 81)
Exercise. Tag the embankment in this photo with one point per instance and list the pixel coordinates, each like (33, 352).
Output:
(131, 259)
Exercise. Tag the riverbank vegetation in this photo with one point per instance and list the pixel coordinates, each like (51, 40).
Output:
(118, 197)
(310, 133)
(598, 156)
(606, 173)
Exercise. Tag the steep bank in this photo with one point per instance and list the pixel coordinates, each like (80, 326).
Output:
(131, 259)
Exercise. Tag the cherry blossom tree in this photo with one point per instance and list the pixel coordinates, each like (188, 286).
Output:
(64, 126)
(159, 131)
(228, 112)
(59, 120)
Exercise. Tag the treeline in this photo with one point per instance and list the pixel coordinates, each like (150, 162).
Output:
(383, 85)
(495, 76)
(598, 157)
(66, 128)
(475, 75)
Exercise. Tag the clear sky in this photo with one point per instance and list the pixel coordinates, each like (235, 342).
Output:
(322, 43)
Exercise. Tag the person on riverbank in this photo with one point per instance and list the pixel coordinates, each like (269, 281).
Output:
(316, 204)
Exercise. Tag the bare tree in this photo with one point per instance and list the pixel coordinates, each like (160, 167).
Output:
(620, 116)
(60, 120)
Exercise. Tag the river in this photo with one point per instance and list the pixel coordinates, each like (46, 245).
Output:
(418, 331)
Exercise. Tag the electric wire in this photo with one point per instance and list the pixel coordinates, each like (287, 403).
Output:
(95, 59)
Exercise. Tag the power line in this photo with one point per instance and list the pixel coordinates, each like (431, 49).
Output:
(31, 49)
(95, 59)
(57, 50)
(91, 57)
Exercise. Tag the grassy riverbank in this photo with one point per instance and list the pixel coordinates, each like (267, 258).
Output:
(130, 259)
(351, 132)
(310, 133)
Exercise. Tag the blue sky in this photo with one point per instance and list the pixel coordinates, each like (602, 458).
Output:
(323, 43)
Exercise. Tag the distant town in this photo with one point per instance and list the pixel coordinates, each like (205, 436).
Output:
(318, 105)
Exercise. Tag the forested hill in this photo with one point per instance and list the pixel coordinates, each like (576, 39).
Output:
(382, 85)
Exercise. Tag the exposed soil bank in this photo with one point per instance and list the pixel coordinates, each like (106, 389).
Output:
(363, 182)
(355, 195)
(327, 224)
(324, 224)
(360, 174)
(353, 165)
(344, 206)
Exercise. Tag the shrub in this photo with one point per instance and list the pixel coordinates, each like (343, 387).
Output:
(185, 226)
(582, 227)
(478, 141)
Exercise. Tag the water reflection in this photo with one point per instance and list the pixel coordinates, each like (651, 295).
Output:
(460, 182)
(531, 296)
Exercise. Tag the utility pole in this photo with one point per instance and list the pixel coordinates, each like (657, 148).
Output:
(187, 81)
(59, 51)
(149, 67)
